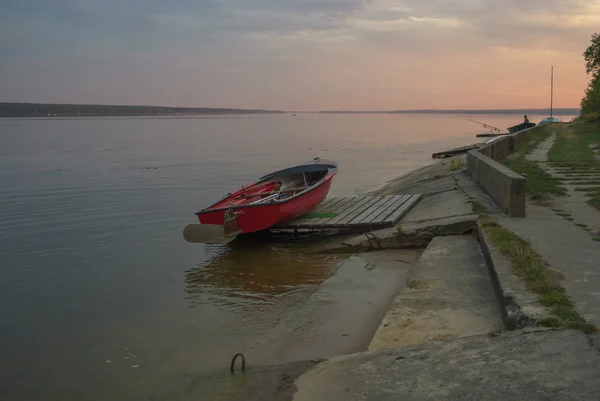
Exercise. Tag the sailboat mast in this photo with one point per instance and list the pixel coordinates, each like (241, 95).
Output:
(551, 89)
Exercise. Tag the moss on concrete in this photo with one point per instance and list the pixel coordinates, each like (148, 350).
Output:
(540, 185)
(537, 276)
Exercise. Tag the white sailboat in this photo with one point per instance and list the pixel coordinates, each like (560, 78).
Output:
(550, 119)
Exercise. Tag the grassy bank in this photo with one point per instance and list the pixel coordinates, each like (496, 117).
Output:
(572, 147)
(575, 154)
(528, 265)
(540, 186)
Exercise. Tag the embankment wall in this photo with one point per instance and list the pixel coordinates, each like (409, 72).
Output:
(504, 186)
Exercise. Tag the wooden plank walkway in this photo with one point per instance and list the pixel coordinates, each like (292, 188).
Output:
(357, 212)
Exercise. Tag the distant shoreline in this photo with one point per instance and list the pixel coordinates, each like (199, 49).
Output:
(23, 110)
(561, 111)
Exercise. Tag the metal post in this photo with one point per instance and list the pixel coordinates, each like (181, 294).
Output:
(551, 90)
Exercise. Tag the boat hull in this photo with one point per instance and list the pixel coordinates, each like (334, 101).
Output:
(520, 127)
(254, 218)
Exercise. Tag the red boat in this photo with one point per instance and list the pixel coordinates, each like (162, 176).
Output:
(274, 199)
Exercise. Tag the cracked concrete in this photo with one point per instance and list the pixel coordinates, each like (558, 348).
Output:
(568, 250)
(575, 203)
(526, 365)
(519, 306)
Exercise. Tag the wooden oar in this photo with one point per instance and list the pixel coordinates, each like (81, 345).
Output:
(206, 234)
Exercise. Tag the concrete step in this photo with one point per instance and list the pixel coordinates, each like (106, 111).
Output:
(547, 365)
(448, 295)
(342, 314)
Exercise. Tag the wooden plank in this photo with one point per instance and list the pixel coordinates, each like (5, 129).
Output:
(340, 207)
(345, 221)
(353, 212)
(326, 206)
(383, 217)
(309, 221)
(385, 213)
(366, 212)
(401, 211)
(374, 211)
(394, 215)
(344, 205)
(382, 212)
(332, 206)
(321, 209)
(372, 217)
(339, 210)
(357, 206)
(357, 202)
(327, 202)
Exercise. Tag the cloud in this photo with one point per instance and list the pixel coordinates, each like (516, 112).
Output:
(235, 52)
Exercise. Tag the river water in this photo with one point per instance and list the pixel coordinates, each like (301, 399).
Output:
(100, 297)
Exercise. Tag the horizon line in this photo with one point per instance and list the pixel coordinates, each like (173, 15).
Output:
(421, 110)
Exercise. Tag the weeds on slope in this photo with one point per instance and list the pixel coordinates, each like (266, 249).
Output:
(528, 265)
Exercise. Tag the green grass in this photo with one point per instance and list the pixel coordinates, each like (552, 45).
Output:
(563, 214)
(572, 149)
(594, 200)
(530, 142)
(540, 185)
(319, 215)
(577, 182)
(586, 176)
(528, 265)
(581, 225)
(477, 207)
(587, 189)
(455, 164)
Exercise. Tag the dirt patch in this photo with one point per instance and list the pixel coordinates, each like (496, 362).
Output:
(418, 284)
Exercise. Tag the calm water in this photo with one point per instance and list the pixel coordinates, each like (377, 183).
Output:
(100, 297)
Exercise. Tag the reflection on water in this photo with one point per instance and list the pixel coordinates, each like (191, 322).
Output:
(255, 271)
(93, 262)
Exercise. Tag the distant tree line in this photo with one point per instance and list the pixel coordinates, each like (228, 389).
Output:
(90, 110)
(560, 111)
(590, 104)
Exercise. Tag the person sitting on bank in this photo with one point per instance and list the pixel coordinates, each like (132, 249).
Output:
(526, 120)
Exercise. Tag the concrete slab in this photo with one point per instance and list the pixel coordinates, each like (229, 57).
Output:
(529, 366)
(343, 313)
(472, 190)
(409, 235)
(580, 211)
(576, 201)
(441, 205)
(519, 306)
(540, 154)
(448, 295)
(569, 250)
(503, 185)
(418, 180)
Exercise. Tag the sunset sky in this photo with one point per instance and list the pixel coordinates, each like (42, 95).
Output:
(296, 54)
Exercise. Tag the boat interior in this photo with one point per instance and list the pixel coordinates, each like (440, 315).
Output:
(273, 189)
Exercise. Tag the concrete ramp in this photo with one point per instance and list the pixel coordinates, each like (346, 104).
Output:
(448, 295)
